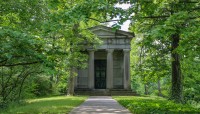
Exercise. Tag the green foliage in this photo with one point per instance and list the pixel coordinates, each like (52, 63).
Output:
(155, 105)
(40, 39)
(155, 22)
(21, 46)
(192, 78)
(148, 67)
(42, 86)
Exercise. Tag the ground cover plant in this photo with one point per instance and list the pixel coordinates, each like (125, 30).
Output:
(50, 105)
(155, 105)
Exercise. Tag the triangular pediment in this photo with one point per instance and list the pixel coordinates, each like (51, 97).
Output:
(102, 31)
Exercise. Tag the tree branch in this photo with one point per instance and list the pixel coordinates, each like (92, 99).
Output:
(194, 17)
(3, 61)
(18, 64)
(184, 1)
(197, 8)
(164, 16)
(181, 1)
(102, 21)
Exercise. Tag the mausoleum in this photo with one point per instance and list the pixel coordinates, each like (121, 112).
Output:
(109, 64)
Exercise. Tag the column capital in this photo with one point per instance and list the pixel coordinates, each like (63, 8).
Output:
(91, 50)
(110, 50)
(126, 50)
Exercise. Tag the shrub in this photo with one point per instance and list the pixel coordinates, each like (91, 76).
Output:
(155, 105)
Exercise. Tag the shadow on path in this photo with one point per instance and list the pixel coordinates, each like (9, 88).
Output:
(100, 105)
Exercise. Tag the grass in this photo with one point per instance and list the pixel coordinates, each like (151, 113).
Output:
(51, 105)
(154, 105)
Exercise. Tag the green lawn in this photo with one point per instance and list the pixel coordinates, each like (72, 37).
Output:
(154, 105)
(50, 105)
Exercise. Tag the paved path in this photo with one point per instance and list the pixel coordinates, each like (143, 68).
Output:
(100, 105)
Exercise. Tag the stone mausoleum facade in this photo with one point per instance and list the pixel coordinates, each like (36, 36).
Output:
(109, 64)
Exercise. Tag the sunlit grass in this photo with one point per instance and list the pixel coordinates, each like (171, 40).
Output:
(52, 105)
(154, 105)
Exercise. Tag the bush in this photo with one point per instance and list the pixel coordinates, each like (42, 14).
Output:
(43, 86)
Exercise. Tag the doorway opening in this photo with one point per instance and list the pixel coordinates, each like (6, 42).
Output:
(100, 74)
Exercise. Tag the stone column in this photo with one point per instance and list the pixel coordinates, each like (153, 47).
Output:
(91, 70)
(127, 69)
(109, 77)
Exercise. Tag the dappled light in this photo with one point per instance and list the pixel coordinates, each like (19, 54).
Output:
(52, 99)
(100, 104)
(59, 104)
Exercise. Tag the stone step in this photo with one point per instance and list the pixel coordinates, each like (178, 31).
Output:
(104, 92)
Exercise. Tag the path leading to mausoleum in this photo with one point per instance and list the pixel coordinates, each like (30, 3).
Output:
(100, 105)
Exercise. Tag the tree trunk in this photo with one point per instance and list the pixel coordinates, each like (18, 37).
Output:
(21, 86)
(146, 92)
(51, 82)
(159, 88)
(70, 90)
(177, 87)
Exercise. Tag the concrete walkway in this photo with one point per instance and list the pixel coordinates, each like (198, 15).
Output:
(100, 105)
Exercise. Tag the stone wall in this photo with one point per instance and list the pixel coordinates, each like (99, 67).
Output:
(82, 79)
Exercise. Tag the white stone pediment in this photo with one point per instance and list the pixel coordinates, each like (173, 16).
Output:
(103, 33)
(108, 32)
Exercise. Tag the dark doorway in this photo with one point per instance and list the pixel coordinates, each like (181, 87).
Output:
(100, 74)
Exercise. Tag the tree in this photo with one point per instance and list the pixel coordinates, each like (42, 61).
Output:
(21, 45)
(40, 33)
(165, 21)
